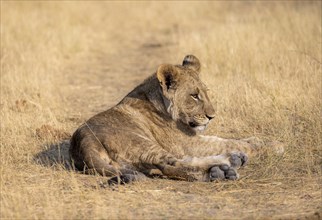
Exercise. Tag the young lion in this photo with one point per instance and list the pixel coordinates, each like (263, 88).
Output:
(154, 130)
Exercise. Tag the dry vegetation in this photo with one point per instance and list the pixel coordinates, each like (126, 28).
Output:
(63, 62)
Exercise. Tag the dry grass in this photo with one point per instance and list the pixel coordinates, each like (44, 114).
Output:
(63, 62)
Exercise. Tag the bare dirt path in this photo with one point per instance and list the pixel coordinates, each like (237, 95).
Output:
(101, 79)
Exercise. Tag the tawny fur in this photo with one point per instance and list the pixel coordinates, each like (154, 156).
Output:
(155, 127)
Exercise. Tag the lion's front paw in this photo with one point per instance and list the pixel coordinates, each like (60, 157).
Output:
(122, 179)
(228, 171)
(238, 159)
(223, 172)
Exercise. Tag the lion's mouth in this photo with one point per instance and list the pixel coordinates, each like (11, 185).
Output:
(192, 124)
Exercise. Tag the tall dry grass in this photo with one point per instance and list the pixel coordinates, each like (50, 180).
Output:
(63, 62)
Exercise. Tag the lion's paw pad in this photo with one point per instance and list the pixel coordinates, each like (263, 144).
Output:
(222, 172)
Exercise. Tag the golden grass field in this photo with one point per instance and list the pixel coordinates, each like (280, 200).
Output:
(66, 61)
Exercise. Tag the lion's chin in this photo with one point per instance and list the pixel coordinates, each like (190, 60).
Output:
(197, 127)
(200, 128)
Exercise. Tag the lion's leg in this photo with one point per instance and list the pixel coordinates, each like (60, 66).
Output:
(235, 160)
(205, 168)
(183, 168)
(94, 162)
(202, 146)
(212, 145)
(203, 149)
(89, 155)
(218, 158)
(121, 173)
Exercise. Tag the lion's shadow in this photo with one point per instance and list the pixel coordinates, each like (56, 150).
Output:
(55, 155)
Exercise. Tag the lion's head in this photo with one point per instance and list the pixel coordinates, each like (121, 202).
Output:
(185, 96)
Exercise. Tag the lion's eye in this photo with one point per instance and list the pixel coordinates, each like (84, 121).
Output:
(195, 96)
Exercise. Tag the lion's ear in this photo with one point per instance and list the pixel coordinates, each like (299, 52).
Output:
(167, 75)
(191, 62)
